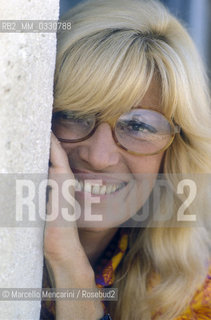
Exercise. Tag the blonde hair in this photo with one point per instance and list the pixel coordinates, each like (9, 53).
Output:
(106, 63)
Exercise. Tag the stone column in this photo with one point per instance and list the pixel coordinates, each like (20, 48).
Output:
(27, 62)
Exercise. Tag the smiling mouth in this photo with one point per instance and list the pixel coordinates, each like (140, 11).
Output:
(97, 189)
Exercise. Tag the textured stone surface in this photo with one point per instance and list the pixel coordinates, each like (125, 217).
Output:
(26, 75)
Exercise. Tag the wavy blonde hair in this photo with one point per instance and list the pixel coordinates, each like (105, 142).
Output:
(106, 63)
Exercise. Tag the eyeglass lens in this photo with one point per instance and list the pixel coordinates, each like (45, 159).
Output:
(142, 131)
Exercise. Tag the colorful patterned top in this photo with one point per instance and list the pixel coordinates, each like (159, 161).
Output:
(199, 308)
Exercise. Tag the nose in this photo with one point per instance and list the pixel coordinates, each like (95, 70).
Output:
(100, 150)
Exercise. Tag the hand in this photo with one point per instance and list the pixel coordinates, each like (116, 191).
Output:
(61, 243)
(67, 263)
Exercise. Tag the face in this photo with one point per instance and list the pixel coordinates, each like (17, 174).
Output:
(123, 181)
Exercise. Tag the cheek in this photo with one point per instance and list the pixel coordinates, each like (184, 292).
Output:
(145, 171)
(68, 147)
(71, 151)
(145, 165)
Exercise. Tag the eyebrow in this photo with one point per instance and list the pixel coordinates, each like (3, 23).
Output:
(154, 108)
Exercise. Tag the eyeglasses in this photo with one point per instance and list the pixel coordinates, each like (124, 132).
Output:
(139, 131)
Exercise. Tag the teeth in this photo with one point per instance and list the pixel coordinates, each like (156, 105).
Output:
(109, 188)
(97, 189)
(77, 185)
(103, 189)
(87, 187)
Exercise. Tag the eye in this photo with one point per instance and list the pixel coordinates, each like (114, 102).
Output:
(135, 126)
(72, 118)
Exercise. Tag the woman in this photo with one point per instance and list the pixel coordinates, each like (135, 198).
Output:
(131, 102)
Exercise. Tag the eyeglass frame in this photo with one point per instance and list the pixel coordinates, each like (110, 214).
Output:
(175, 129)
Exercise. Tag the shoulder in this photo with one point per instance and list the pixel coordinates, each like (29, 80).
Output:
(200, 306)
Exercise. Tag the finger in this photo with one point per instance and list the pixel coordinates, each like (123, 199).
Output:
(60, 176)
(58, 156)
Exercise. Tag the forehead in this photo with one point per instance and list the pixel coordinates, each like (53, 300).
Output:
(152, 98)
